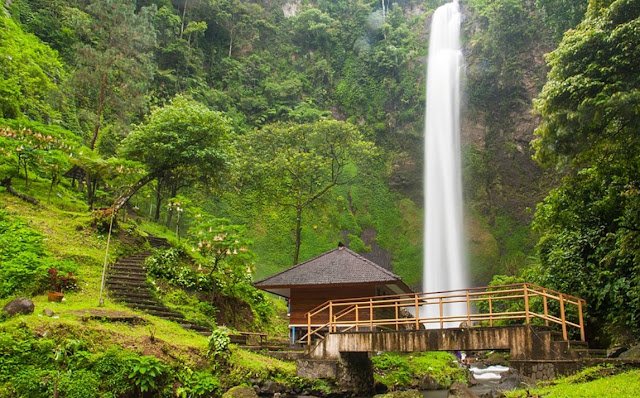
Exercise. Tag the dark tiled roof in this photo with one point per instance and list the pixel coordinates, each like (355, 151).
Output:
(339, 266)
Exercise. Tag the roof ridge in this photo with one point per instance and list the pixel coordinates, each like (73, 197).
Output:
(348, 251)
(295, 266)
(386, 271)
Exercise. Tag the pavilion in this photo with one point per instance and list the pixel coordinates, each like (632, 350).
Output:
(336, 274)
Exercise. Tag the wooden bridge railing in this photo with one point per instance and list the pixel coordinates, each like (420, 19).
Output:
(482, 306)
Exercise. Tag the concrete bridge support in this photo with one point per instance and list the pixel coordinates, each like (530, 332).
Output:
(534, 351)
(352, 371)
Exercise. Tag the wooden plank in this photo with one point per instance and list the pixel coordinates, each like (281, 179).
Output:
(490, 312)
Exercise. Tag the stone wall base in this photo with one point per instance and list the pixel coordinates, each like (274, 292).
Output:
(353, 372)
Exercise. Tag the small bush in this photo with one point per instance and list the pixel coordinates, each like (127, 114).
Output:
(219, 347)
(198, 384)
(146, 373)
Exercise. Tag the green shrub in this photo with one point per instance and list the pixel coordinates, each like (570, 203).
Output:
(219, 347)
(113, 368)
(198, 384)
(147, 373)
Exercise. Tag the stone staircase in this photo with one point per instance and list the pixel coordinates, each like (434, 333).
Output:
(127, 282)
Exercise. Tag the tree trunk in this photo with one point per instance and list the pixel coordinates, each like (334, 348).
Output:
(184, 14)
(172, 194)
(156, 216)
(296, 254)
(7, 184)
(101, 100)
(124, 198)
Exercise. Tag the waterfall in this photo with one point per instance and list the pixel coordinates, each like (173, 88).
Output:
(444, 259)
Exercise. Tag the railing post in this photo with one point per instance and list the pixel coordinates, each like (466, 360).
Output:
(490, 311)
(331, 324)
(417, 315)
(545, 306)
(468, 310)
(441, 306)
(309, 329)
(357, 318)
(371, 315)
(526, 304)
(397, 315)
(581, 320)
(562, 318)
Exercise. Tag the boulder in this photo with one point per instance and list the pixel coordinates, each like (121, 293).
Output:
(460, 390)
(271, 387)
(510, 381)
(240, 392)
(631, 353)
(19, 306)
(429, 383)
(48, 312)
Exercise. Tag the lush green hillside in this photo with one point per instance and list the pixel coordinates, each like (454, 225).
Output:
(227, 114)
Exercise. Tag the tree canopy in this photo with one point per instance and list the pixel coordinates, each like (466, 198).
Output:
(184, 139)
(294, 165)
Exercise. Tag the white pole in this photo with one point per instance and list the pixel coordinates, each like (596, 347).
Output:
(106, 257)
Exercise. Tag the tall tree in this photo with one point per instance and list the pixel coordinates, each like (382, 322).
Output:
(114, 65)
(294, 165)
(184, 140)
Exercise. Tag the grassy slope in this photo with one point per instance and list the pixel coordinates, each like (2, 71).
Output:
(68, 236)
(623, 385)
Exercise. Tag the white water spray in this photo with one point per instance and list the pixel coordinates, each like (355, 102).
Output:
(444, 264)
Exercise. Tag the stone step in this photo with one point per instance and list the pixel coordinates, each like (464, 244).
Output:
(133, 263)
(127, 278)
(127, 271)
(165, 313)
(142, 293)
(141, 301)
(136, 256)
(193, 326)
(149, 306)
(128, 283)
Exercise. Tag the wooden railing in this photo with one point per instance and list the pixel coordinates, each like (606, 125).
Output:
(483, 306)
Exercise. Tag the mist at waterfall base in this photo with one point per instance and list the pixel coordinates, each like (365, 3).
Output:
(444, 261)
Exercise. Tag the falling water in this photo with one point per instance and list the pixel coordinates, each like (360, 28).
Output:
(444, 264)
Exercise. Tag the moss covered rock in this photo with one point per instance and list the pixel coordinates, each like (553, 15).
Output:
(240, 392)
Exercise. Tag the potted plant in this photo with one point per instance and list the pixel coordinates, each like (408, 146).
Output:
(58, 283)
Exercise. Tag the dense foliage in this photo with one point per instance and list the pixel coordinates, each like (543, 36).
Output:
(24, 262)
(266, 113)
(590, 224)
